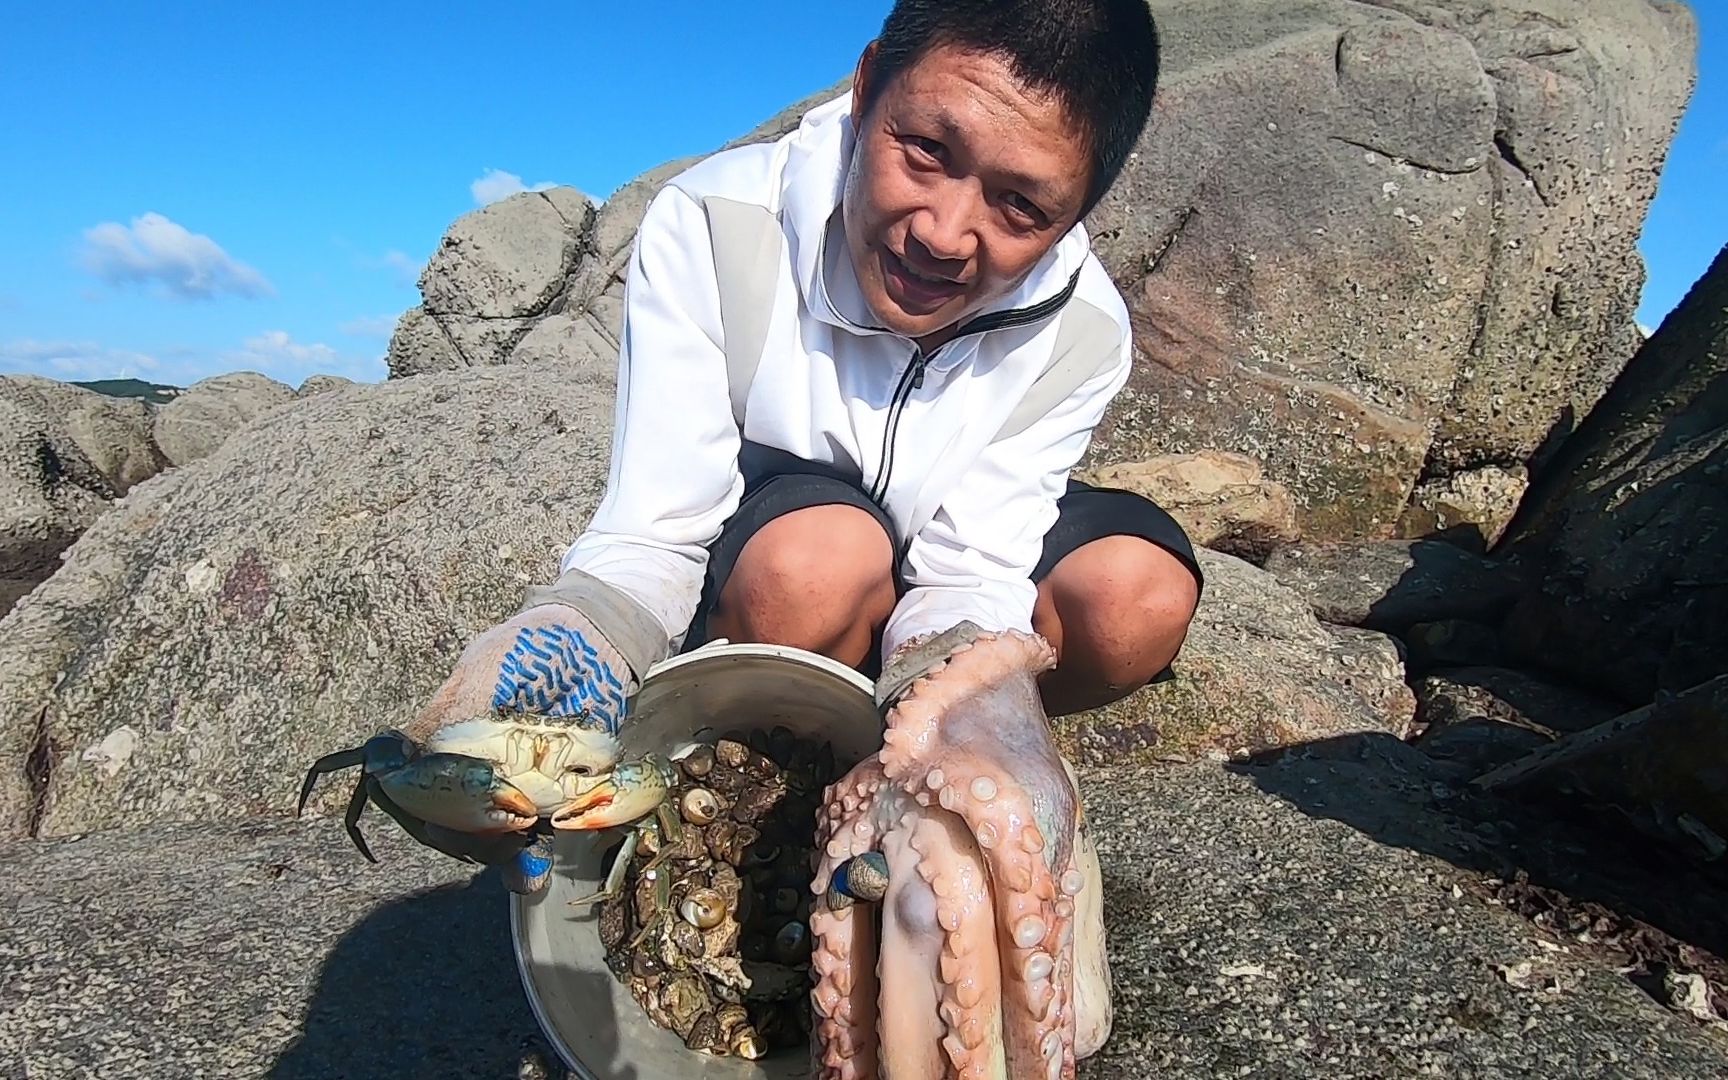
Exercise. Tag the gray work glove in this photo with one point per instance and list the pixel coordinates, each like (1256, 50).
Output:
(548, 660)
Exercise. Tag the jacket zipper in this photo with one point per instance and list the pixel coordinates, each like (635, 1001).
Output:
(913, 377)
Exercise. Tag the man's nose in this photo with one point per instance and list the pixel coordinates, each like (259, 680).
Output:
(947, 229)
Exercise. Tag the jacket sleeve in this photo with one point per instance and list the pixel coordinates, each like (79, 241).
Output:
(975, 558)
(674, 477)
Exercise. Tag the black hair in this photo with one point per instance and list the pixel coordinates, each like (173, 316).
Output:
(1098, 57)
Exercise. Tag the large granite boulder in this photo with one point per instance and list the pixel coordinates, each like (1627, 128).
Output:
(1378, 243)
(308, 582)
(536, 278)
(1371, 245)
(65, 454)
(1258, 671)
(205, 414)
(1630, 521)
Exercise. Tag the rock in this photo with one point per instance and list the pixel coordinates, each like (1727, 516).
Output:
(206, 413)
(1450, 643)
(567, 339)
(508, 259)
(1223, 501)
(323, 384)
(1661, 768)
(1369, 244)
(496, 269)
(1628, 523)
(1258, 671)
(1393, 584)
(111, 433)
(1468, 725)
(1476, 504)
(65, 454)
(305, 585)
(1247, 934)
(1477, 718)
(537, 277)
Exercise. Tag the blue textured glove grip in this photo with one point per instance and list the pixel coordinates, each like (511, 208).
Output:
(554, 670)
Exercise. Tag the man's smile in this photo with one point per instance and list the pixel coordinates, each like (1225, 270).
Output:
(914, 289)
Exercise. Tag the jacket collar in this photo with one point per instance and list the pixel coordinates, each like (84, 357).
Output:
(813, 182)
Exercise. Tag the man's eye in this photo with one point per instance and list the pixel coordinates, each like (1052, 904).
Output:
(927, 147)
(1024, 207)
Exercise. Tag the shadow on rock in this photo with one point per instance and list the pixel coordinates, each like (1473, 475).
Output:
(1568, 870)
(426, 986)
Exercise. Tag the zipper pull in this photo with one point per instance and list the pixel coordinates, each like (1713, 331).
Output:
(918, 369)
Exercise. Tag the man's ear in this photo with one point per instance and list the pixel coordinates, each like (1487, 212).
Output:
(861, 76)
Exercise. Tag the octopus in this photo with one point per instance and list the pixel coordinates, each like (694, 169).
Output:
(957, 929)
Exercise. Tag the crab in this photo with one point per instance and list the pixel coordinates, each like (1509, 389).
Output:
(495, 774)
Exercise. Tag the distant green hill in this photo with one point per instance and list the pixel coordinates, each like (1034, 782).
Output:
(155, 393)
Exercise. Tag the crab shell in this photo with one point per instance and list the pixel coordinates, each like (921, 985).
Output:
(500, 773)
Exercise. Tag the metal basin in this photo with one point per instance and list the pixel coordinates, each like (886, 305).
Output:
(586, 1014)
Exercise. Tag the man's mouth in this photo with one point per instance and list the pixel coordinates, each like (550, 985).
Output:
(915, 288)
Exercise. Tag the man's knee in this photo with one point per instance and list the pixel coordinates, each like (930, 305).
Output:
(811, 578)
(1119, 610)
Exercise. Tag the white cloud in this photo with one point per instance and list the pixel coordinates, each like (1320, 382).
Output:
(405, 267)
(1645, 330)
(496, 184)
(370, 326)
(75, 360)
(154, 249)
(275, 353)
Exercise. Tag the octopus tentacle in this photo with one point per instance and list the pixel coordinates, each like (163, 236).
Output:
(952, 866)
(1001, 816)
(908, 961)
(843, 940)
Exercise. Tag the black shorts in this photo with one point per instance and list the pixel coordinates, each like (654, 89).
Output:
(1084, 514)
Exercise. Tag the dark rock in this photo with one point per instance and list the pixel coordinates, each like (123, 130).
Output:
(1512, 697)
(1246, 934)
(1662, 768)
(1392, 585)
(1629, 522)
(1451, 643)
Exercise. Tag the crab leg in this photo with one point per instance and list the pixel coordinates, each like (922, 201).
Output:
(329, 763)
(614, 883)
(351, 817)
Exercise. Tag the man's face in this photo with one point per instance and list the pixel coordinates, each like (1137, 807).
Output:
(961, 180)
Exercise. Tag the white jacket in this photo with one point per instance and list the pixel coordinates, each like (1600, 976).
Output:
(974, 512)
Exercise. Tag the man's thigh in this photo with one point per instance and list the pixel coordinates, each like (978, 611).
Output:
(763, 504)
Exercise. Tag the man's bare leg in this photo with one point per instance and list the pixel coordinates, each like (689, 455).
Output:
(818, 579)
(1117, 611)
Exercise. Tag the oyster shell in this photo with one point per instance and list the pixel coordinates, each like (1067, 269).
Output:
(714, 943)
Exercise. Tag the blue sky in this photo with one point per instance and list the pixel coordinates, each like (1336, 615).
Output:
(197, 188)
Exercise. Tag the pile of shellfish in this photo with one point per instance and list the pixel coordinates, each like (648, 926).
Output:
(711, 932)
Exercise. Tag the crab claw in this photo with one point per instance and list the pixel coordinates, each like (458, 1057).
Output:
(633, 790)
(458, 792)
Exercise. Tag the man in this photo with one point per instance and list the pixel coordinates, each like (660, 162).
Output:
(880, 480)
